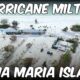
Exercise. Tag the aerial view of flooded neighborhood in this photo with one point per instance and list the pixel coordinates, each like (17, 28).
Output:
(43, 41)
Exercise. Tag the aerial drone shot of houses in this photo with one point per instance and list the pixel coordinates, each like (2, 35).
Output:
(39, 45)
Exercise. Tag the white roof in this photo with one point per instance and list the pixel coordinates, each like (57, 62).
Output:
(10, 30)
(64, 43)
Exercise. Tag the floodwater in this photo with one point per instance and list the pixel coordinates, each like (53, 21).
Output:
(55, 21)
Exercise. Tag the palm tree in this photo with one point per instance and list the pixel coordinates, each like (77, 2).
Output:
(14, 24)
(36, 21)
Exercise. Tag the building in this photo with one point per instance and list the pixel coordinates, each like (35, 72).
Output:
(23, 31)
(63, 45)
(33, 31)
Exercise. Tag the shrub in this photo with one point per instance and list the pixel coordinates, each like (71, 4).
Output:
(74, 46)
(42, 50)
(75, 27)
(13, 38)
(4, 26)
(65, 29)
(65, 60)
(54, 63)
(70, 40)
(9, 48)
(44, 64)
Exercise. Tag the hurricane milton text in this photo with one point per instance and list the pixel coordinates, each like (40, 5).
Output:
(31, 8)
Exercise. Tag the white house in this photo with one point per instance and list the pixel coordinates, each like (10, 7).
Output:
(63, 45)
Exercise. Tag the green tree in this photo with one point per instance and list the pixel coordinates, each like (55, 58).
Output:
(4, 23)
(64, 61)
(75, 28)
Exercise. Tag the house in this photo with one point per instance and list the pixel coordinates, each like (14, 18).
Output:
(63, 45)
